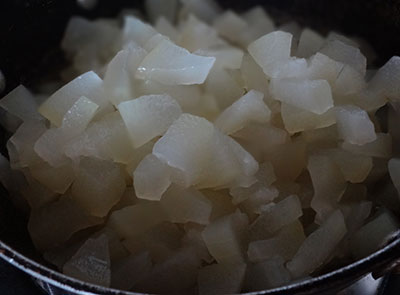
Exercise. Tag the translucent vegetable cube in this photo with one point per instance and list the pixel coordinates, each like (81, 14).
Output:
(318, 246)
(225, 238)
(158, 8)
(173, 65)
(275, 217)
(324, 68)
(151, 178)
(91, 263)
(379, 148)
(98, 185)
(311, 95)
(57, 180)
(206, 10)
(186, 205)
(229, 25)
(285, 244)
(249, 108)
(328, 182)
(221, 203)
(52, 225)
(309, 43)
(88, 85)
(385, 82)
(137, 31)
(148, 116)
(354, 125)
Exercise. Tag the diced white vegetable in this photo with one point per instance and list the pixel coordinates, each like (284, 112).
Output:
(380, 148)
(318, 246)
(349, 81)
(148, 116)
(372, 236)
(21, 103)
(222, 278)
(198, 35)
(253, 75)
(285, 244)
(325, 68)
(134, 220)
(158, 8)
(297, 119)
(386, 80)
(57, 180)
(311, 95)
(275, 217)
(260, 23)
(229, 25)
(354, 125)
(271, 50)
(50, 146)
(151, 178)
(221, 203)
(98, 186)
(328, 182)
(137, 31)
(267, 274)
(227, 57)
(225, 238)
(346, 54)
(166, 28)
(105, 139)
(53, 224)
(249, 108)
(88, 85)
(120, 72)
(309, 43)
(91, 263)
(173, 65)
(206, 10)
(186, 205)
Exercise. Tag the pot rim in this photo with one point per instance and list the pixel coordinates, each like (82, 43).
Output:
(380, 260)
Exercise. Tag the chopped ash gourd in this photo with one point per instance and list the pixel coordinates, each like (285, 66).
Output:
(204, 152)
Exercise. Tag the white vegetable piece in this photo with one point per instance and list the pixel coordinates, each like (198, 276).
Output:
(259, 24)
(98, 186)
(268, 274)
(198, 35)
(346, 54)
(143, 215)
(379, 148)
(386, 81)
(206, 10)
(105, 139)
(88, 85)
(349, 81)
(285, 244)
(186, 205)
(328, 182)
(297, 119)
(57, 179)
(318, 246)
(158, 8)
(137, 31)
(166, 28)
(53, 224)
(227, 57)
(249, 108)
(309, 43)
(173, 65)
(120, 72)
(91, 263)
(230, 26)
(148, 116)
(199, 152)
(311, 95)
(354, 125)
(274, 217)
(225, 238)
(21, 103)
(222, 278)
(324, 68)
(271, 50)
(373, 235)
(50, 146)
(151, 178)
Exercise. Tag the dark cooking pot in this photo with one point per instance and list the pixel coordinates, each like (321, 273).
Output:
(30, 32)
